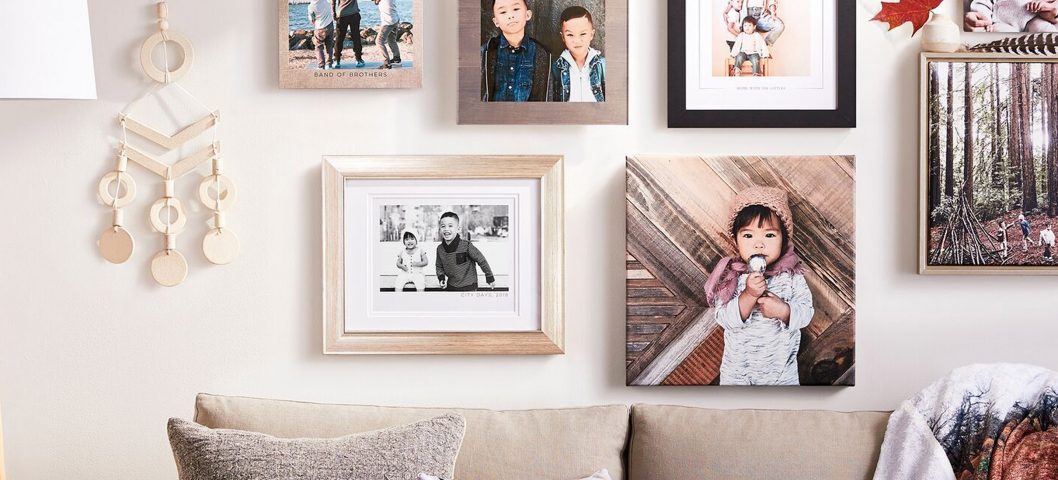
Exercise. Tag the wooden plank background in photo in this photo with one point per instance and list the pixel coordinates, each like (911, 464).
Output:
(677, 210)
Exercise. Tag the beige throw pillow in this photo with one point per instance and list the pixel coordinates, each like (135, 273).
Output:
(398, 453)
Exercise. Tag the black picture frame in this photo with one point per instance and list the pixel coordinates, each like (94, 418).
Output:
(844, 116)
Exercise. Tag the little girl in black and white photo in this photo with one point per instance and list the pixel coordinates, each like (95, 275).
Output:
(761, 298)
(411, 261)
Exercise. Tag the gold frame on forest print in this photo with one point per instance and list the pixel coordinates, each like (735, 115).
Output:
(924, 266)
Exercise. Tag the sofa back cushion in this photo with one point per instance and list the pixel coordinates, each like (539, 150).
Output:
(541, 444)
(684, 442)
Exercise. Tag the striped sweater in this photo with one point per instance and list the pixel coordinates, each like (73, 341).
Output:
(763, 351)
(458, 261)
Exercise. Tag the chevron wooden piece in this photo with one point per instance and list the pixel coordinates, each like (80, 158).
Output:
(677, 216)
(179, 138)
(178, 169)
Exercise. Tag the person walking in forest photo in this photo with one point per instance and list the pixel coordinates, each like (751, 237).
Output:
(1026, 230)
(1047, 241)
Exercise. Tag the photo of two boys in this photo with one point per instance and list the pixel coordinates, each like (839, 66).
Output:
(444, 248)
(543, 51)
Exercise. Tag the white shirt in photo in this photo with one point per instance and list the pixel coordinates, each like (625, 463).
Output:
(580, 79)
(322, 11)
(387, 13)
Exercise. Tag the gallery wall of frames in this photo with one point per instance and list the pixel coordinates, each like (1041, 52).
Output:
(468, 204)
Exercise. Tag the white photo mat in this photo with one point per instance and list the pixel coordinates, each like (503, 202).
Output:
(816, 91)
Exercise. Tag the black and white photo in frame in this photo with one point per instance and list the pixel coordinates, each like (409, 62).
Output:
(443, 254)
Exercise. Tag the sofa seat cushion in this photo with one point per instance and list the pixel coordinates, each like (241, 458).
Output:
(539, 444)
(682, 442)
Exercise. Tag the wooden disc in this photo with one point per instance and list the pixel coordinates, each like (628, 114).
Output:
(126, 190)
(147, 60)
(226, 192)
(160, 224)
(169, 268)
(221, 246)
(116, 245)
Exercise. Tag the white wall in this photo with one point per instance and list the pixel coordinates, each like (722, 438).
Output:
(94, 357)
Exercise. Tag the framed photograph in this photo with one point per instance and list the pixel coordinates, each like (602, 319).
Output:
(456, 255)
(989, 164)
(762, 63)
(1010, 16)
(741, 271)
(350, 43)
(543, 62)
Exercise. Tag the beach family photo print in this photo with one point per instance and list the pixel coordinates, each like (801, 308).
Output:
(741, 271)
(350, 43)
(762, 63)
(989, 160)
(443, 255)
(543, 62)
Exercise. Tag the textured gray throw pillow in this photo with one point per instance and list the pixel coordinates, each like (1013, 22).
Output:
(397, 453)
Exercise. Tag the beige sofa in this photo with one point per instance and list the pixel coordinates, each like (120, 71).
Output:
(644, 442)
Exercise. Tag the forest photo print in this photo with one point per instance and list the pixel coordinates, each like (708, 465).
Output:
(990, 131)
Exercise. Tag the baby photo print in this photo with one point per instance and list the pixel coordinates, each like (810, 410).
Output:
(350, 43)
(1011, 16)
(740, 271)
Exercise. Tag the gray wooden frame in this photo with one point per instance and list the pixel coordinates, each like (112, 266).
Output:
(924, 267)
(550, 339)
(614, 111)
(395, 78)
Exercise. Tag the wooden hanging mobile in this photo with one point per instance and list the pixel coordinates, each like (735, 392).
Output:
(167, 215)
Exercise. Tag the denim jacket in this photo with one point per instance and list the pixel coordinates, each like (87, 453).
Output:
(536, 89)
(560, 73)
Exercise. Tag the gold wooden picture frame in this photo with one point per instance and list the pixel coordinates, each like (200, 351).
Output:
(343, 331)
(987, 236)
(297, 67)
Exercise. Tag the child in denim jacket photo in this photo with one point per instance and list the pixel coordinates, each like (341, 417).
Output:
(514, 66)
(579, 73)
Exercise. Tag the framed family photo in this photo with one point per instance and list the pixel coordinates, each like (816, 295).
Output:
(741, 270)
(350, 43)
(543, 62)
(762, 63)
(989, 164)
(443, 255)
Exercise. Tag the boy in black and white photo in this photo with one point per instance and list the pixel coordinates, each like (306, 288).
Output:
(458, 260)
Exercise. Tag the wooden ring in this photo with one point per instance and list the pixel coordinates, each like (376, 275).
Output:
(226, 192)
(147, 60)
(168, 228)
(125, 196)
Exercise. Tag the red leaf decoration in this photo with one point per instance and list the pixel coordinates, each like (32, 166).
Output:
(903, 11)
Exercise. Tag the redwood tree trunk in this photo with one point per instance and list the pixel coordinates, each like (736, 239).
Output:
(968, 137)
(998, 169)
(1013, 135)
(1051, 159)
(1028, 164)
(934, 137)
(949, 140)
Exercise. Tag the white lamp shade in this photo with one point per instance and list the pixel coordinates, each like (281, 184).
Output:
(46, 50)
